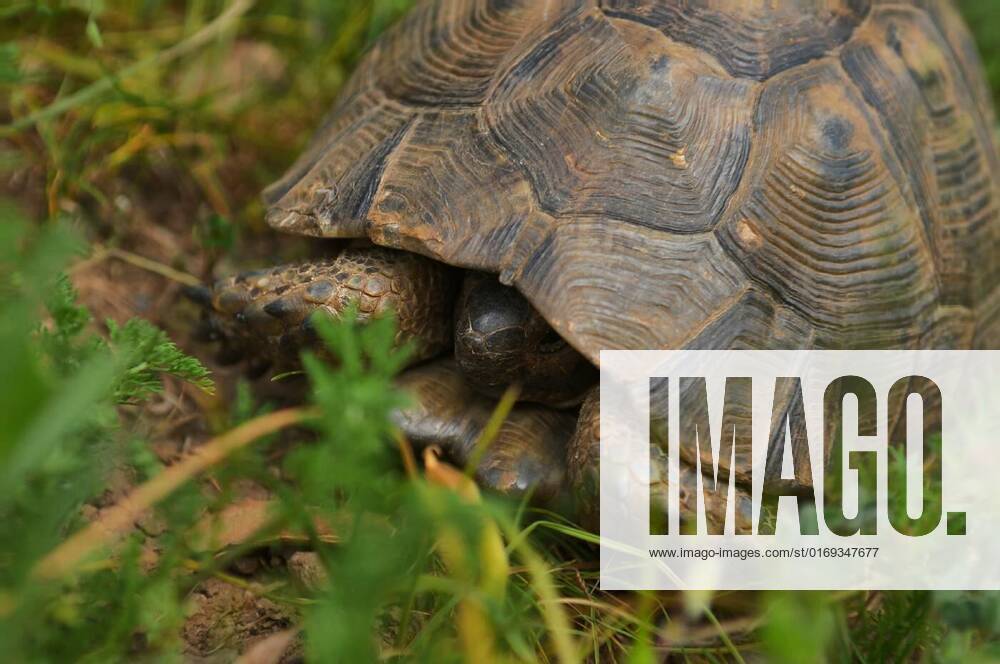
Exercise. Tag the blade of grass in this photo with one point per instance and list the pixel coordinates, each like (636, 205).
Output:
(492, 428)
(64, 558)
(553, 612)
(590, 537)
(406, 453)
(724, 636)
(475, 630)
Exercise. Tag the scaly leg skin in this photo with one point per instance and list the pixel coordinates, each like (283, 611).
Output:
(528, 453)
(583, 476)
(266, 313)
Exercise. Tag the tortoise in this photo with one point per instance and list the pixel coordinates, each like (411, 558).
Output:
(526, 183)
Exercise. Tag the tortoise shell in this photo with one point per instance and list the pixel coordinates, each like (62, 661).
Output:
(700, 173)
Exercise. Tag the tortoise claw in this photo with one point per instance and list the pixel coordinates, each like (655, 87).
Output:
(200, 295)
(281, 308)
(229, 355)
(257, 367)
(207, 330)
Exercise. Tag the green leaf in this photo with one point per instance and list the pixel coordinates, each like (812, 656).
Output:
(10, 68)
(94, 33)
(217, 233)
(148, 353)
(799, 628)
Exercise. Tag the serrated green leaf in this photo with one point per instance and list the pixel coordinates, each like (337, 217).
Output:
(148, 353)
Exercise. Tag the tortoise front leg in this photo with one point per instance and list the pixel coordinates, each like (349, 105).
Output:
(266, 313)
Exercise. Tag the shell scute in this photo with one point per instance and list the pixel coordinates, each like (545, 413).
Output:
(839, 236)
(615, 127)
(751, 39)
(905, 70)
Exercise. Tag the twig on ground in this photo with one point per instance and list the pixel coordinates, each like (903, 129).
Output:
(103, 253)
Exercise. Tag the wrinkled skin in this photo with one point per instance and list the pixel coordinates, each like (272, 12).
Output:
(501, 340)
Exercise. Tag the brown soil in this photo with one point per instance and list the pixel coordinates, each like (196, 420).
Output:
(225, 621)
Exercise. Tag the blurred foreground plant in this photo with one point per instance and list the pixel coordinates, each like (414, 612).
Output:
(59, 430)
(408, 551)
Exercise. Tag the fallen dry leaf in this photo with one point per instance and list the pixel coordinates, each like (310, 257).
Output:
(239, 522)
(269, 650)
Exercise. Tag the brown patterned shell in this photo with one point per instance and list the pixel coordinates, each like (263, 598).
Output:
(699, 173)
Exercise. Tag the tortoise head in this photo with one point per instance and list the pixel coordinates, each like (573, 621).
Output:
(500, 340)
